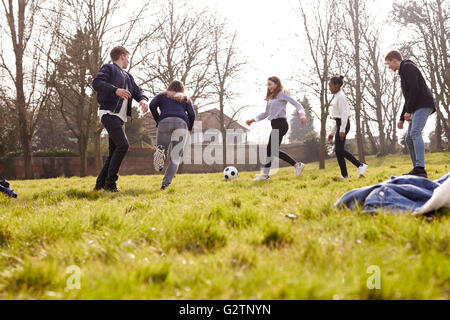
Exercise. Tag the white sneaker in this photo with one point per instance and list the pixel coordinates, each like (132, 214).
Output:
(159, 157)
(342, 178)
(298, 170)
(362, 169)
(261, 177)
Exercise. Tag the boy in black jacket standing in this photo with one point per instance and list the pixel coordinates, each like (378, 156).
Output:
(419, 104)
(115, 89)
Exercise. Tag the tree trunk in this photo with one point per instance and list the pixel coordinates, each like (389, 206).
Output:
(224, 134)
(358, 102)
(323, 136)
(25, 135)
(82, 148)
(438, 134)
(98, 160)
(28, 157)
(373, 143)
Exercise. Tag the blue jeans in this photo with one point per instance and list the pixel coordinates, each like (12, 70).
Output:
(414, 139)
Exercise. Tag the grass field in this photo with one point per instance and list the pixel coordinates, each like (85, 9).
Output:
(204, 238)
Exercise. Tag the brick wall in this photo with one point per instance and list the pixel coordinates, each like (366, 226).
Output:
(140, 162)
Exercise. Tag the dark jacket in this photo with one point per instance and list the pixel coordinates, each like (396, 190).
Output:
(110, 78)
(415, 90)
(172, 104)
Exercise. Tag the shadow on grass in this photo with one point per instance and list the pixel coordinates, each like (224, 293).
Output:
(95, 195)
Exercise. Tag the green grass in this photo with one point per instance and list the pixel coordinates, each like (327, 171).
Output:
(205, 238)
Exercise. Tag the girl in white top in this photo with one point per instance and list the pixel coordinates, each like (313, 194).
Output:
(341, 114)
(277, 99)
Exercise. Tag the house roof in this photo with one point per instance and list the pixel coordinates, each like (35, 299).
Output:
(209, 118)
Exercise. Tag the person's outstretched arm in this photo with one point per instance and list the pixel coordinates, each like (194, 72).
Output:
(137, 93)
(154, 104)
(286, 97)
(263, 115)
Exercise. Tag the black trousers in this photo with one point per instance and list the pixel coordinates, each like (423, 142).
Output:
(118, 147)
(341, 153)
(282, 126)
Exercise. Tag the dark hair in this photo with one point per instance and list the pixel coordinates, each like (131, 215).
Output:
(117, 51)
(272, 95)
(338, 80)
(394, 55)
(176, 86)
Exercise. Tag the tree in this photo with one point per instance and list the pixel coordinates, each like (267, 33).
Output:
(52, 132)
(429, 22)
(181, 50)
(355, 10)
(227, 65)
(321, 33)
(312, 144)
(29, 75)
(135, 131)
(298, 132)
(96, 20)
(380, 90)
(74, 101)
(9, 133)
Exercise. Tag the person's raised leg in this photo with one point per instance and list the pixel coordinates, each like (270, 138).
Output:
(268, 164)
(163, 138)
(283, 155)
(179, 136)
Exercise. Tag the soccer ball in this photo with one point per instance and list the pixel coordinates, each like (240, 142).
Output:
(230, 173)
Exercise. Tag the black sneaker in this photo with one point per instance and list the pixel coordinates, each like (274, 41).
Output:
(163, 187)
(4, 183)
(112, 188)
(418, 171)
(98, 187)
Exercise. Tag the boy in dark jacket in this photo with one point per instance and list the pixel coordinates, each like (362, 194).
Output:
(115, 90)
(419, 104)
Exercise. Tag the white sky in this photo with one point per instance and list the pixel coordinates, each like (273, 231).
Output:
(268, 37)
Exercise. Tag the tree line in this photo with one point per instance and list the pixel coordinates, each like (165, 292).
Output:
(51, 50)
(344, 38)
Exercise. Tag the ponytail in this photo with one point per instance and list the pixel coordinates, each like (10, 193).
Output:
(338, 80)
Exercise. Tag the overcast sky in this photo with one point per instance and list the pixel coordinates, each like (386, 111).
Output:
(270, 37)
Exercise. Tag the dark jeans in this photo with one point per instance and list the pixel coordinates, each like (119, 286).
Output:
(341, 153)
(282, 126)
(118, 147)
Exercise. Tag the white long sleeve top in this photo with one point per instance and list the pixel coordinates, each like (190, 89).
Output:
(340, 110)
(276, 108)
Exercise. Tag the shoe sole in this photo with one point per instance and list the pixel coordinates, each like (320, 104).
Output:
(159, 158)
(261, 179)
(362, 173)
(301, 170)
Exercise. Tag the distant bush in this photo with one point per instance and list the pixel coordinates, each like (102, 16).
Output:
(55, 153)
(44, 153)
(312, 144)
